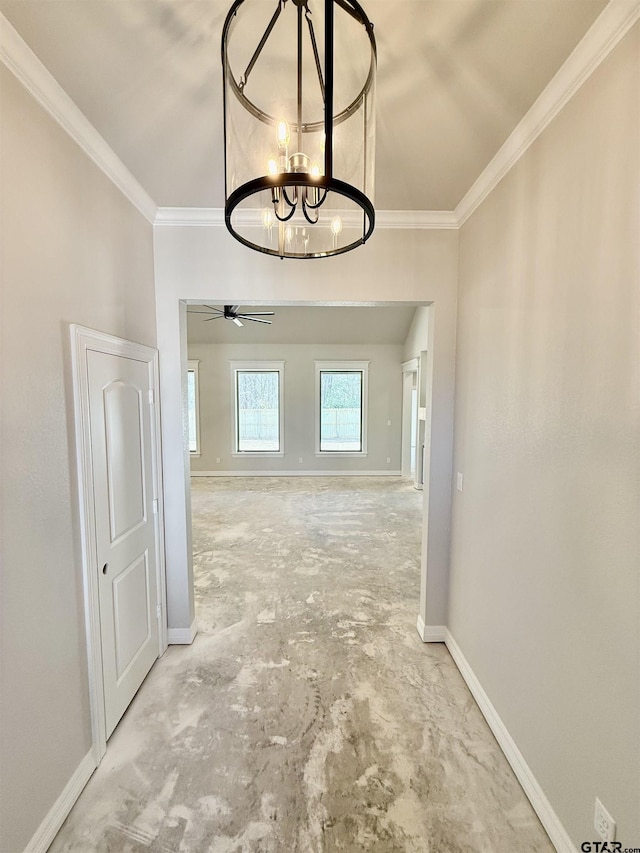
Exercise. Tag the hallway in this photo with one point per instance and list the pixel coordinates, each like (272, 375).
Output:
(307, 717)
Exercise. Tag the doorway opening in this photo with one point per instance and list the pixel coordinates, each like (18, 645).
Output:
(303, 339)
(413, 428)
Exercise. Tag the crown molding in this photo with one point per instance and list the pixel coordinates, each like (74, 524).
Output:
(212, 217)
(417, 219)
(609, 28)
(613, 23)
(40, 83)
(385, 219)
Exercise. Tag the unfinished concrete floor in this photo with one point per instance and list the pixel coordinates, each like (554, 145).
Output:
(307, 717)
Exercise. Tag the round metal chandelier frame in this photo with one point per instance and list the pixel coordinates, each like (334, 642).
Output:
(293, 178)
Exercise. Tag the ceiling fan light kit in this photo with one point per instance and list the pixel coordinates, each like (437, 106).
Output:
(299, 126)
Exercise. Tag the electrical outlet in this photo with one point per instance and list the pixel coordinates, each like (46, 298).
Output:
(388, 459)
(300, 459)
(218, 460)
(605, 825)
(459, 483)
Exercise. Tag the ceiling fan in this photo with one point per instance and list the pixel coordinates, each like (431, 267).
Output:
(231, 312)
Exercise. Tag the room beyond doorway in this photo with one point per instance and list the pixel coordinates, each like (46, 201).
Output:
(374, 340)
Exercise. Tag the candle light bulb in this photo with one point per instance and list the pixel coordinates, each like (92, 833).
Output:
(313, 193)
(267, 218)
(272, 166)
(336, 225)
(282, 134)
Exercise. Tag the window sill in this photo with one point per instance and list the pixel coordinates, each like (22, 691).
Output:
(193, 453)
(258, 454)
(337, 454)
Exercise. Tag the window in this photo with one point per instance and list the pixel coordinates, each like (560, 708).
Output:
(341, 416)
(193, 407)
(257, 395)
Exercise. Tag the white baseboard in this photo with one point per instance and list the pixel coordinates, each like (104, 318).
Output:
(58, 813)
(548, 818)
(431, 633)
(296, 473)
(182, 636)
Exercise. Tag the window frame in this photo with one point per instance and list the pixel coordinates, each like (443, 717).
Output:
(193, 366)
(342, 367)
(256, 367)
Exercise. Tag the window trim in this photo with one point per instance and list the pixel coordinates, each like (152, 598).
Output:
(193, 366)
(257, 367)
(343, 367)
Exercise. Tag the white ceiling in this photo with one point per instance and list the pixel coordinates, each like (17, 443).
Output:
(312, 325)
(454, 78)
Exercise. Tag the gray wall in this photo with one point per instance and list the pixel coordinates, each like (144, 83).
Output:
(73, 251)
(385, 403)
(545, 586)
(418, 335)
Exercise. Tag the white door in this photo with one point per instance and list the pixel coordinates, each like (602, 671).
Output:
(120, 425)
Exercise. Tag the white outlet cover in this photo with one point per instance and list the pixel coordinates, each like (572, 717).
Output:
(460, 481)
(604, 824)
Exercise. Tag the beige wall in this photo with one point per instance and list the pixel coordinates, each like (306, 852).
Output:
(545, 598)
(73, 251)
(216, 412)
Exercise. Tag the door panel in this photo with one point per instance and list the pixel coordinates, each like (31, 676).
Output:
(130, 613)
(124, 456)
(120, 424)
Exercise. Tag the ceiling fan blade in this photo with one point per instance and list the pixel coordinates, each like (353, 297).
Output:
(214, 308)
(236, 321)
(233, 309)
(215, 317)
(199, 312)
(256, 320)
(259, 314)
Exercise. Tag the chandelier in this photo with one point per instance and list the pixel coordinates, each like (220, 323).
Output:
(299, 126)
